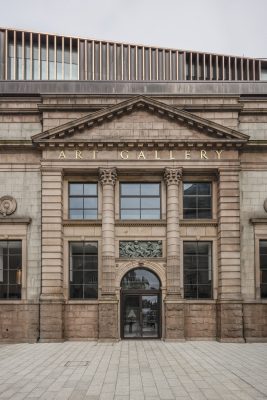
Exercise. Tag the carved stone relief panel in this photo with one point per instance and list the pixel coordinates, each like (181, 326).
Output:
(141, 249)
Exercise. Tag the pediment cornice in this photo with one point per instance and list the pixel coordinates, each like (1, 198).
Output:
(212, 132)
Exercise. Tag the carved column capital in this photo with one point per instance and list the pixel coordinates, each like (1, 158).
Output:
(172, 175)
(108, 176)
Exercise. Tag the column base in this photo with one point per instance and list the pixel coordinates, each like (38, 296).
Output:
(174, 320)
(230, 322)
(51, 319)
(108, 319)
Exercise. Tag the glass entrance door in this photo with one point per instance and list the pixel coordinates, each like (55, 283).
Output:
(140, 316)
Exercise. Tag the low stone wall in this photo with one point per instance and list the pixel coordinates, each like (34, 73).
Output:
(81, 321)
(200, 321)
(19, 322)
(255, 322)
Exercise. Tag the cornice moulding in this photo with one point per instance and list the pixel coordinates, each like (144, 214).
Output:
(15, 221)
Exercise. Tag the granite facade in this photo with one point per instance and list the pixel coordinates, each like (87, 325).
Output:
(51, 140)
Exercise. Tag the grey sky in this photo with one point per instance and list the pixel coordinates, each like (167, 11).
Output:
(222, 26)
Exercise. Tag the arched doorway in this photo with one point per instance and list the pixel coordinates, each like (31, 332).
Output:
(140, 305)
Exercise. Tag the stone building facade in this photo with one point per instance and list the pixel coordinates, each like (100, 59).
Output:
(133, 192)
(133, 211)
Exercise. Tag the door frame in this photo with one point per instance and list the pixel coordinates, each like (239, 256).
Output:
(140, 292)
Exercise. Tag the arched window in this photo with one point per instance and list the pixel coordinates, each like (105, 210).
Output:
(140, 279)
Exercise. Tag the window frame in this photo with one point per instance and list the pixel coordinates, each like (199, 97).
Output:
(9, 269)
(259, 268)
(21, 227)
(70, 182)
(213, 269)
(140, 197)
(198, 180)
(83, 299)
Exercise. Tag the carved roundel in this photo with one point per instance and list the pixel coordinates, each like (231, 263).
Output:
(265, 205)
(8, 205)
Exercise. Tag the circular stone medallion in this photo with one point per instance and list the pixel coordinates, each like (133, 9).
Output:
(8, 205)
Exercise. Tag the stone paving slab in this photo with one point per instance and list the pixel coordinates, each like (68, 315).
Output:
(133, 370)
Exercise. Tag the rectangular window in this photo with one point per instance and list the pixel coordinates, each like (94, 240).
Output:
(197, 270)
(83, 200)
(83, 270)
(263, 268)
(10, 269)
(140, 200)
(197, 200)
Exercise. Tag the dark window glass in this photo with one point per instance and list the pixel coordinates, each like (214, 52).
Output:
(197, 200)
(140, 201)
(263, 268)
(140, 278)
(83, 200)
(10, 269)
(83, 270)
(197, 270)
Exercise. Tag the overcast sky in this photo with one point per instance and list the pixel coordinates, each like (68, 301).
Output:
(237, 27)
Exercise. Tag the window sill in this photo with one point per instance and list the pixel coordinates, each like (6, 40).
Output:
(198, 222)
(17, 301)
(82, 222)
(200, 301)
(81, 301)
(140, 222)
(140, 259)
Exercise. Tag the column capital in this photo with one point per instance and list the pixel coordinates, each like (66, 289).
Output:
(172, 175)
(108, 176)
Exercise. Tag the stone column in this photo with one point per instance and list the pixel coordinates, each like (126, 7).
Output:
(108, 304)
(174, 311)
(229, 308)
(51, 299)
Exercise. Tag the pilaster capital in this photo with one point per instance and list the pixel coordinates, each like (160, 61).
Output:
(107, 176)
(172, 175)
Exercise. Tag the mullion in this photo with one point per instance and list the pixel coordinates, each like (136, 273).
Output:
(139, 197)
(82, 196)
(197, 197)
(197, 270)
(7, 270)
(83, 268)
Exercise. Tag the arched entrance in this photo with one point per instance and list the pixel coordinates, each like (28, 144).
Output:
(140, 305)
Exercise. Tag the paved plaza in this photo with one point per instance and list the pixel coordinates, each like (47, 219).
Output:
(133, 370)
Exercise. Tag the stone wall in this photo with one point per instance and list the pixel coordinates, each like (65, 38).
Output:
(255, 322)
(200, 321)
(25, 187)
(81, 321)
(19, 322)
(21, 127)
(254, 126)
(253, 189)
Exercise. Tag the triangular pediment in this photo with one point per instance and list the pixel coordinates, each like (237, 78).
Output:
(140, 119)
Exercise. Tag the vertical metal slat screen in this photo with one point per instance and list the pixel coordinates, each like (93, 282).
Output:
(31, 56)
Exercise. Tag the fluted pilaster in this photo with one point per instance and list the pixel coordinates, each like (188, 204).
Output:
(172, 178)
(108, 178)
